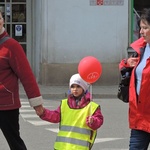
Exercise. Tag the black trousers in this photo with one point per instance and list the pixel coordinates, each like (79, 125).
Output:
(9, 124)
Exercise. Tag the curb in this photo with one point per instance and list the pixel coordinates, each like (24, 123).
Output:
(57, 92)
(64, 95)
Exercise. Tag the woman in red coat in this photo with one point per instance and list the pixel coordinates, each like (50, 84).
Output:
(14, 67)
(139, 91)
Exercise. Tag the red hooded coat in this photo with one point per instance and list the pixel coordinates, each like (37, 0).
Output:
(139, 106)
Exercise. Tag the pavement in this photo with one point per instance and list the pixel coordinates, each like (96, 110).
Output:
(60, 92)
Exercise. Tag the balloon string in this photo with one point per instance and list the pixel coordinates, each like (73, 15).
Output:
(91, 100)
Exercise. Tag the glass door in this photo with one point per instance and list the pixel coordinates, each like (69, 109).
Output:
(14, 13)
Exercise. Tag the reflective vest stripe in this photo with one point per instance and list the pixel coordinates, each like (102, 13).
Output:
(75, 129)
(73, 141)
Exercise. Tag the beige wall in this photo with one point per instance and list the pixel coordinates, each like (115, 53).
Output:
(59, 74)
(66, 31)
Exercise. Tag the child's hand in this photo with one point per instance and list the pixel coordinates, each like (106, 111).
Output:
(89, 120)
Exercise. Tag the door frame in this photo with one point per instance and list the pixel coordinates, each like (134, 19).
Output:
(131, 24)
(29, 31)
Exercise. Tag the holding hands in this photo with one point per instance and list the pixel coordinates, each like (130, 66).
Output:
(39, 110)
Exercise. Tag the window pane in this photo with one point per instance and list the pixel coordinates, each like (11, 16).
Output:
(2, 8)
(8, 12)
(19, 32)
(18, 13)
(24, 48)
(18, 0)
(8, 28)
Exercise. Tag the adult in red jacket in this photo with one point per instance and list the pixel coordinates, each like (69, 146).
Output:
(139, 91)
(14, 66)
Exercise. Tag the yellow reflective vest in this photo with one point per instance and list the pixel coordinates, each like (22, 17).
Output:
(73, 133)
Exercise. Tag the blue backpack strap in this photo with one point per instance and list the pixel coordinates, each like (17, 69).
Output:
(4, 39)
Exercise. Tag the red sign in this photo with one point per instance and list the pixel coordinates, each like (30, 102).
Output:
(100, 2)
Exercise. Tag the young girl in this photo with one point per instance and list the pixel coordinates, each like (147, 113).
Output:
(78, 116)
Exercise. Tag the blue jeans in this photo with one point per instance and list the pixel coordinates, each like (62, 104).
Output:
(139, 140)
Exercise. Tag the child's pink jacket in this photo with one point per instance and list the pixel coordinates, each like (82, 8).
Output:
(54, 115)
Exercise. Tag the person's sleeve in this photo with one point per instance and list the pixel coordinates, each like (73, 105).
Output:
(21, 67)
(98, 120)
(51, 116)
(123, 64)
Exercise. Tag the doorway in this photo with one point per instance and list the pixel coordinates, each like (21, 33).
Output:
(15, 16)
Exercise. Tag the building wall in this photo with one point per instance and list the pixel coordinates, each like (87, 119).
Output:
(66, 31)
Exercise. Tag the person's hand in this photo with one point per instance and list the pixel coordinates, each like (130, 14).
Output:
(89, 120)
(39, 110)
(132, 61)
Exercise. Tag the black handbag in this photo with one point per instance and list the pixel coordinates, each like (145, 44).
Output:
(123, 88)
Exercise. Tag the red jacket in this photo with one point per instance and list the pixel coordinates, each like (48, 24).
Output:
(14, 66)
(54, 115)
(139, 106)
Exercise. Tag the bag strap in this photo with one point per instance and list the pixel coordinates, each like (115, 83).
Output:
(4, 39)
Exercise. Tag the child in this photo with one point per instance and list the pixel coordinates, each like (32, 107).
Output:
(78, 116)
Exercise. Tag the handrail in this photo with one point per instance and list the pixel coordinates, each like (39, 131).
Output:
(136, 12)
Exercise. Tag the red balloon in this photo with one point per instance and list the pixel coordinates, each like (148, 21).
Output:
(90, 69)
